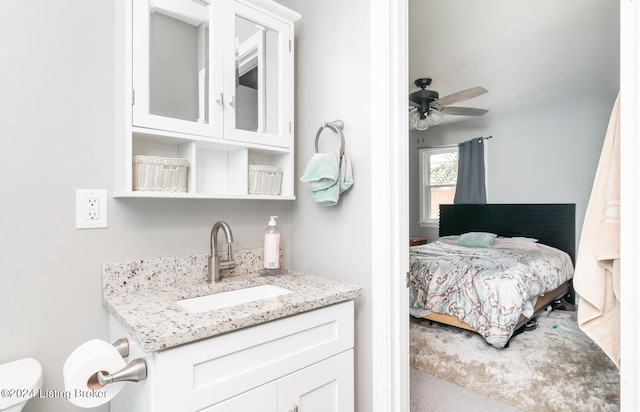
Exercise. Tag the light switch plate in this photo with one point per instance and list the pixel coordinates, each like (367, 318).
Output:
(91, 209)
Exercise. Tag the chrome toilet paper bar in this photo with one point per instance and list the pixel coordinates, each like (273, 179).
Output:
(122, 345)
(134, 371)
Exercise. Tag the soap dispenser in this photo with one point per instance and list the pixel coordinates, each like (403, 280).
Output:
(272, 248)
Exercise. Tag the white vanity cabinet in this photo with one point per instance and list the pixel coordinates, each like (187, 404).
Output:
(303, 362)
(322, 387)
(210, 81)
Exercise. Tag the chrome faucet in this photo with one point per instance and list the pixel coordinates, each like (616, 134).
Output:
(215, 264)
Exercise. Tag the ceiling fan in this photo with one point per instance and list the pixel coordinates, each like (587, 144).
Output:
(428, 104)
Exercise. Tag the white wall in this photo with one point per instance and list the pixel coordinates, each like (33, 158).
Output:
(56, 129)
(332, 72)
(541, 154)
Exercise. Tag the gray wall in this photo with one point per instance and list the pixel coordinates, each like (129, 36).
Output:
(56, 129)
(331, 83)
(540, 154)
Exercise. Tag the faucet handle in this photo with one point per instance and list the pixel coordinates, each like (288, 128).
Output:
(226, 264)
(229, 252)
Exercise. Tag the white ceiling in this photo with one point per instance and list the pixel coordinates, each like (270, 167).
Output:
(523, 51)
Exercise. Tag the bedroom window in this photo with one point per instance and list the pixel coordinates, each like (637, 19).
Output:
(438, 177)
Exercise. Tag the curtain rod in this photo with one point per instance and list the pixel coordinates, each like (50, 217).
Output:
(452, 145)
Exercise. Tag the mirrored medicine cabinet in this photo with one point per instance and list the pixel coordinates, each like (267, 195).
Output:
(206, 81)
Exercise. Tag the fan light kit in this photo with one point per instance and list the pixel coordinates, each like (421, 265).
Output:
(427, 104)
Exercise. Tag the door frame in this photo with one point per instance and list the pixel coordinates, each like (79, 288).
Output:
(629, 203)
(389, 62)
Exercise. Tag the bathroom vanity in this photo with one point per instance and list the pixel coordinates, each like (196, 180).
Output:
(299, 360)
(292, 351)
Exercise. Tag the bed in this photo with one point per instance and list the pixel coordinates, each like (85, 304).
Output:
(494, 290)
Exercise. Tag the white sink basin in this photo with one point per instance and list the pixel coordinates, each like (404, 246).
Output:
(231, 298)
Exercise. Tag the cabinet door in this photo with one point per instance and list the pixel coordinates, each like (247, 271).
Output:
(262, 398)
(258, 78)
(177, 67)
(326, 386)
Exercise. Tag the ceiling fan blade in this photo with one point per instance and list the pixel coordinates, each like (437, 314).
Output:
(463, 111)
(459, 96)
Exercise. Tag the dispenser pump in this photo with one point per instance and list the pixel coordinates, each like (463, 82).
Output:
(272, 220)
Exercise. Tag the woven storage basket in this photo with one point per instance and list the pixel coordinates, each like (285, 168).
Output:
(159, 174)
(265, 180)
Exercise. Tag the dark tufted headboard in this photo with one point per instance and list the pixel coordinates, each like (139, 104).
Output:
(553, 224)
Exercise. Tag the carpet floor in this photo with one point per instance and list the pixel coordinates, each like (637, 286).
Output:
(431, 394)
(555, 367)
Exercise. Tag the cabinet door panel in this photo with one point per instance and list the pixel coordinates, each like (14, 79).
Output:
(176, 69)
(260, 88)
(326, 386)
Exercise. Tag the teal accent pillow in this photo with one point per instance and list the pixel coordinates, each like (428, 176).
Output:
(477, 239)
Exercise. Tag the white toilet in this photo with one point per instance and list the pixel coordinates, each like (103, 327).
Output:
(20, 381)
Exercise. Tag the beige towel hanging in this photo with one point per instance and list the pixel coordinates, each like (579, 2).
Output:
(597, 273)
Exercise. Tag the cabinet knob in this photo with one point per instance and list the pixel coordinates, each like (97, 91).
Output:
(232, 103)
(220, 99)
(295, 409)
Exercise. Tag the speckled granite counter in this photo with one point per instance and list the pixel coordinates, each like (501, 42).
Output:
(141, 295)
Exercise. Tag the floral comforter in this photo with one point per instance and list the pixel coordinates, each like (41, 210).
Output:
(487, 288)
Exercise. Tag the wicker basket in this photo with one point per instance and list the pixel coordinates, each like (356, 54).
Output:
(159, 174)
(265, 180)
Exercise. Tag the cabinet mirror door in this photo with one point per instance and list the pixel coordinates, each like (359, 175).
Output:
(260, 84)
(175, 66)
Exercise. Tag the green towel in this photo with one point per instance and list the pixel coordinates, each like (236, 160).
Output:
(328, 176)
(322, 171)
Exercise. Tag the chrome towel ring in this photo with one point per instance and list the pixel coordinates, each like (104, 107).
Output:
(337, 126)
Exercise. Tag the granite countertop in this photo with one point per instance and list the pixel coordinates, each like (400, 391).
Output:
(141, 295)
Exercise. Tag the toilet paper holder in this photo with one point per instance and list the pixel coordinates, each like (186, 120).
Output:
(134, 371)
